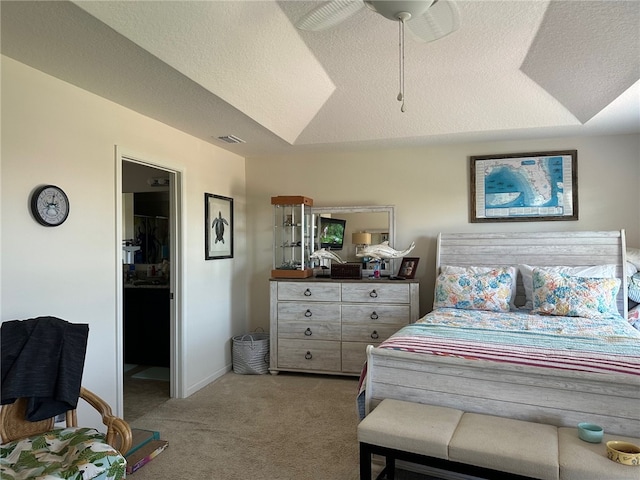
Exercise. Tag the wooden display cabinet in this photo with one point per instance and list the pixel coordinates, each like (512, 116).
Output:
(292, 236)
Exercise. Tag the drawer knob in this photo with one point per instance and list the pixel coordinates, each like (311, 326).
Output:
(308, 313)
(373, 294)
(308, 332)
(375, 335)
(307, 293)
(308, 356)
(374, 316)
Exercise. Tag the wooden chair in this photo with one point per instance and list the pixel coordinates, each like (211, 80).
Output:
(31, 449)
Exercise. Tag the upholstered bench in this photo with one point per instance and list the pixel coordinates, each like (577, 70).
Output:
(405, 431)
(481, 445)
(526, 449)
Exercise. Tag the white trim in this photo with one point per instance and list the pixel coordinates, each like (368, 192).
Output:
(208, 380)
(119, 295)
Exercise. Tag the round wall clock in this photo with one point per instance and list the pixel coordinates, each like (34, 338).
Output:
(50, 205)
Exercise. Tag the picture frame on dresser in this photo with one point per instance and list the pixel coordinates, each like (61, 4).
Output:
(408, 267)
(218, 227)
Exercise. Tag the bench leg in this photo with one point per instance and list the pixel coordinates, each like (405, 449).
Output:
(387, 473)
(390, 467)
(365, 462)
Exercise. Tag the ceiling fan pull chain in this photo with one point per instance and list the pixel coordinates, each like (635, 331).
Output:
(400, 95)
(401, 20)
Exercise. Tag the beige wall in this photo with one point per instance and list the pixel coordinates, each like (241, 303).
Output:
(430, 190)
(53, 132)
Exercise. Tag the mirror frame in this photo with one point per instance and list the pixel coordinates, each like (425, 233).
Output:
(388, 209)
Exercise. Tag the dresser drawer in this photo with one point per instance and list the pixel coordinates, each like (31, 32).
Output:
(309, 311)
(353, 356)
(372, 333)
(309, 292)
(309, 355)
(309, 330)
(372, 292)
(371, 314)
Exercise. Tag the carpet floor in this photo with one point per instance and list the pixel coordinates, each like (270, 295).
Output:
(258, 427)
(241, 427)
(153, 373)
(142, 395)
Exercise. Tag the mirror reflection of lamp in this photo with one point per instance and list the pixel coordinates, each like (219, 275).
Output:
(128, 252)
(361, 240)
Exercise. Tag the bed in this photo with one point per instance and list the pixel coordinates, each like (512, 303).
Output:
(536, 365)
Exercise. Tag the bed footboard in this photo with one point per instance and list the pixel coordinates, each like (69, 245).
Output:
(557, 397)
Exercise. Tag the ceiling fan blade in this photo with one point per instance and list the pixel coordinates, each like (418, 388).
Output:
(441, 19)
(329, 15)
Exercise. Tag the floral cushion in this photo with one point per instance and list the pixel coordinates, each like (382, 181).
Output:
(562, 294)
(591, 271)
(482, 269)
(480, 291)
(71, 453)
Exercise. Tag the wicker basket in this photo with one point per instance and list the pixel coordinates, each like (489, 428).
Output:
(251, 354)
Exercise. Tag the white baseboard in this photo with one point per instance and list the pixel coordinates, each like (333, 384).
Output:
(206, 381)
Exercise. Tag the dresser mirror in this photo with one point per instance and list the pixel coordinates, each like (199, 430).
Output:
(145, 227)
(378, 221)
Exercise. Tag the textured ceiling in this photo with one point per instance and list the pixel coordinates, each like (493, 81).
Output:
(514, 70)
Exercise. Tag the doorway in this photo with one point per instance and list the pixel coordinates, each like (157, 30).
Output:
(149, 313)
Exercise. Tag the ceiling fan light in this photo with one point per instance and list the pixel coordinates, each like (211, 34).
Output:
(328, 15)
(391, 9)
(442, 18)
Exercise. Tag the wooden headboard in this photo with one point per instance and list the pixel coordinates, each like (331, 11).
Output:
(538, 249)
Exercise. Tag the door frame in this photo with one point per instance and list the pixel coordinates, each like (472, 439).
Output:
(176, 253)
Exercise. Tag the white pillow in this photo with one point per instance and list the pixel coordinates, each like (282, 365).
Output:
(631, 269)
(474, 270)
(633, 256)
(593, 271)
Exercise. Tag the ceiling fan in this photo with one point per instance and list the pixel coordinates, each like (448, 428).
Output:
(427, 20)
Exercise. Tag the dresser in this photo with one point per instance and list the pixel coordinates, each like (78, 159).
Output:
(324, 325)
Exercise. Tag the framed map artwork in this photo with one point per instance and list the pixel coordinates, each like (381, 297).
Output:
(524, 187)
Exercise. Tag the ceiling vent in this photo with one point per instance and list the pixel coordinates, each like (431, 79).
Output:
(231, 139)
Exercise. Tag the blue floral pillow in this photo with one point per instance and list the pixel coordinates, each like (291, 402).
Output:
(561, 294)
(481, 291)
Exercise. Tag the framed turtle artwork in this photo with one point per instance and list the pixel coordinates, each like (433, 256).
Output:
(218, 227)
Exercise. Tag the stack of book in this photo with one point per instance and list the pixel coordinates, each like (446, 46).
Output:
(146, 446)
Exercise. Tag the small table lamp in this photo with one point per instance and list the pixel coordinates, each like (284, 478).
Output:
(360, 239)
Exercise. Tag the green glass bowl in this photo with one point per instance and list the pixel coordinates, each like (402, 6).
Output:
(590, 432)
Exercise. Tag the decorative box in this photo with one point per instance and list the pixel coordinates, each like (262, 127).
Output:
(346, 271)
